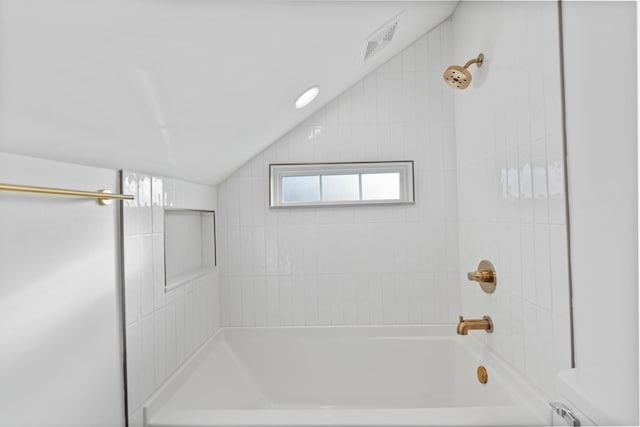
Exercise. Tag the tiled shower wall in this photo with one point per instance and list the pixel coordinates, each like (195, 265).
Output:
(352, 265)
(511, 182)
(162, 328)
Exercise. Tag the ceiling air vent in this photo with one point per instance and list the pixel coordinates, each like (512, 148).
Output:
(380, 38)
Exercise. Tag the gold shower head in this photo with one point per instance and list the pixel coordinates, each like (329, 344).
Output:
(459, 77)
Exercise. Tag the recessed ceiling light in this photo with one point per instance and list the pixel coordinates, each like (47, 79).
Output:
(307, 96)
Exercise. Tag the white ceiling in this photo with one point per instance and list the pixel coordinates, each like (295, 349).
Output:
(184, 88)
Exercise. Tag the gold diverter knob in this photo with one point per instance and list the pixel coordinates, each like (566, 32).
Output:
(485, 276)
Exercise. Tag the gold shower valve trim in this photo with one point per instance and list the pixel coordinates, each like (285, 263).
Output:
(485, 275)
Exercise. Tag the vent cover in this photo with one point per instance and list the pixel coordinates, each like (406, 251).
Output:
(380, 38)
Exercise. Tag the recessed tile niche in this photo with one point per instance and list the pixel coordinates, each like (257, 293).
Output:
(189, 245)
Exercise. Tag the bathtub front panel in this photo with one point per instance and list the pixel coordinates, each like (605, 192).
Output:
(352, 376)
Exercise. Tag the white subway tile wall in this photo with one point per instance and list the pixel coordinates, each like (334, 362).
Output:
(510, 180)
(352, 265)
(162, 328)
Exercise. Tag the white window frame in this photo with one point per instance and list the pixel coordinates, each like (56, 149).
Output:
(279, 171)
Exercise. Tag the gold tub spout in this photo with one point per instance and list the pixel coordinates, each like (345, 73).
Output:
(465, 325)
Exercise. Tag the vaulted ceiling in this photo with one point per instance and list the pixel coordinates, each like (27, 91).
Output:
(184, 88)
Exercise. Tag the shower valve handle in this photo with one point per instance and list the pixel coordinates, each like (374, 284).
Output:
(481, 276)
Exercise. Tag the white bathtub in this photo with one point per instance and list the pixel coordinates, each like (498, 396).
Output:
(344, 376)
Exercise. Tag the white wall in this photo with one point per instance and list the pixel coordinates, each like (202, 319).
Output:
(510, 182)
(60, 327)
(163, 328)
(352, 265)
(601, 118)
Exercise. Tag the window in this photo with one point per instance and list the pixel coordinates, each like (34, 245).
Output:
(321, 184)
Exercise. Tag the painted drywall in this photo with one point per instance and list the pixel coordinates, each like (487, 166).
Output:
(601, 122)
(511, 198)
(163, 327)
(352, 265)
(61, 333)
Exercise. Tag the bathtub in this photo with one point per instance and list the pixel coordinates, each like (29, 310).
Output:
(344, 376)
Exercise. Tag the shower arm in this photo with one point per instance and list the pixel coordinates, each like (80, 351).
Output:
(479, 60)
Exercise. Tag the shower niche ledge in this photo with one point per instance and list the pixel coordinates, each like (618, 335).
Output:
(189, 246)
(184, 278)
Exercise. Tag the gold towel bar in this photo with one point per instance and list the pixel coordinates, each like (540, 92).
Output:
(104, 197)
